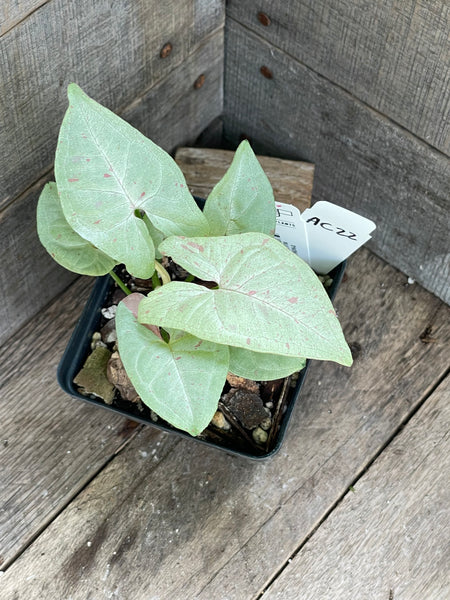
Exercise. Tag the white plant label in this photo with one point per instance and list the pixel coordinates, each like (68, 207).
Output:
(291, 230)
(323, 235)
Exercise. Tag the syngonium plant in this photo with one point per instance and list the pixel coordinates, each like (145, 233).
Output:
(120, 199)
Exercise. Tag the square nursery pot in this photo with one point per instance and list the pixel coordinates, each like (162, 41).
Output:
(240, 442)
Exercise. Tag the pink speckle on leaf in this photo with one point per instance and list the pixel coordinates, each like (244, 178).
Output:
(88, 160)
(72, 180)
(106, 175)
(287, 345)
(97, 222)
(143, 194)
(198, 344)
(293, 300)
(252, 292)
(248, 341)
(198, 247)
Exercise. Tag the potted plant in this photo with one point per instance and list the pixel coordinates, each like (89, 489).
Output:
(242, 302)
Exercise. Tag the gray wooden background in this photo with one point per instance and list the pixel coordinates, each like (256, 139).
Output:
(361, 89)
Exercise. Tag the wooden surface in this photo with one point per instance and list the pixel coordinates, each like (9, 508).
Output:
(381, 543)
(168, 518)
(183, 112)
(363, 160)
(392, 56)
(113, 53)
(291, 181)
(14, 11)
(71, 442)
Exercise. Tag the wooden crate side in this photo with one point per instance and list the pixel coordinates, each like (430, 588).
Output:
(113, 52)
(394, 57)
(363, 161)
(186, 112)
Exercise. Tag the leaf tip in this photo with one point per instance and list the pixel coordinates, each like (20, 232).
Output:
(73, 89)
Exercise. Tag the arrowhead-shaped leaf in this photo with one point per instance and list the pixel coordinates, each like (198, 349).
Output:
(268, 299)
(107, 173)
(263, 367)
(181, 380)
(242, 200)
(66, 246)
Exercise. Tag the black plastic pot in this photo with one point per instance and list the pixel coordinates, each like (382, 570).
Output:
(79, 347)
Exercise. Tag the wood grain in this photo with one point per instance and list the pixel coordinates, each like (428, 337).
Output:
(184, 112)
(393, 57)
(395, 543)
(363, 161)
(50, 446)
(12, 12)
(203, 524)
(291, 181)
(111, 51)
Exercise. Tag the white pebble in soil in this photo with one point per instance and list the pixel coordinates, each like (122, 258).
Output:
(259, 435)
(110, 311)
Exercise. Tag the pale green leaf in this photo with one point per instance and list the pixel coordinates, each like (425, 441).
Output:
(268, 299)
(108, 174)
(66, 246)
(181, 380)
(243, 199)
(259, 366)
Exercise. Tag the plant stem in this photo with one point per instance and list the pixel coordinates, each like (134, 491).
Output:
(164, 275)
(155, 280)
(120, 283)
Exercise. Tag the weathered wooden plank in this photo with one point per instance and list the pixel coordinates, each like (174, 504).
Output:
(183, 112)
(395, 58)
(291, 181)
(50, 446)
(206, 525)
(176, 110)
(363, 161)
(12, 13)
(113, 52)
(390, 536)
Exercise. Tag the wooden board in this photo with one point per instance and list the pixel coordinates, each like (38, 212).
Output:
(12, 13)
(183, 113)
(50, 446)
(393, 57)
(291, 181)
(363, 161)
(113, 52)
(172, 520)
(176, 111)
(393, 544)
